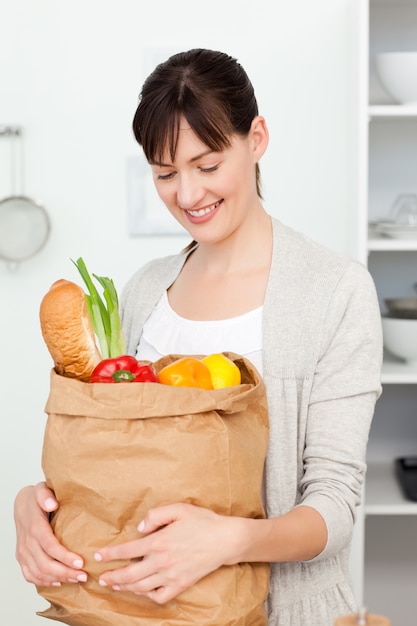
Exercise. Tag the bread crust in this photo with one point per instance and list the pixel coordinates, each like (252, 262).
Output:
(67, 330)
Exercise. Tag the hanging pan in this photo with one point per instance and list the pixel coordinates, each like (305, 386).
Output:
(24, 223)
(24, 228)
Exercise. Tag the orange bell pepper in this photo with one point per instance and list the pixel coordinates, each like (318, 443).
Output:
(186, 372)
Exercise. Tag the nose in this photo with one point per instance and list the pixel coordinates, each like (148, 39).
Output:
(189, 192)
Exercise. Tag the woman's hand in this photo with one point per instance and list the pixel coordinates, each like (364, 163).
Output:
(183, 543)
(43, 560)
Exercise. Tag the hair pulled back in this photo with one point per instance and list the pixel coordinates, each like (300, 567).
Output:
(210, 89)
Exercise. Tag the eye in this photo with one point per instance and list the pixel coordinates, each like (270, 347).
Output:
(207, 170)
(165, 176)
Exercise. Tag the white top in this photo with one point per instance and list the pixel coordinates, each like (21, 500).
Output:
(166, 332)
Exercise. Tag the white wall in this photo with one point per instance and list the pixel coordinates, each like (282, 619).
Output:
(70, 74)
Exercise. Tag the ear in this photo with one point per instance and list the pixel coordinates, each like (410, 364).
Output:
(259, 137)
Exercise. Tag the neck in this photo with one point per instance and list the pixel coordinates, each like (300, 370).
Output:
(247, 249)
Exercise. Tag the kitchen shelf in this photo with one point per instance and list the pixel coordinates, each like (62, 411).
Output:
(382, 111)
(397, 372)
(386, 245)
(384, 495)
(379, 243)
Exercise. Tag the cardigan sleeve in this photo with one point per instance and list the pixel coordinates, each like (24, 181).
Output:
(345, 388)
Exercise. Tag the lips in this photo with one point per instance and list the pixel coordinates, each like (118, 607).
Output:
(199, 215)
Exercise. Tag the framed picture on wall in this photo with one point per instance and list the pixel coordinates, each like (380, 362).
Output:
(147, 215)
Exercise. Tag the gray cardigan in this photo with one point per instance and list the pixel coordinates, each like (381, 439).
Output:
(322, 355)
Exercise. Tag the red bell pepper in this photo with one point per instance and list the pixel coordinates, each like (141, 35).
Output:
(123, 369)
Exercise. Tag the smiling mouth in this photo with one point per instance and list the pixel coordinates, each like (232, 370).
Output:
(205, 211)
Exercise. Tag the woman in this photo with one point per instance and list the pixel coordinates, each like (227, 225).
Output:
(305, 316)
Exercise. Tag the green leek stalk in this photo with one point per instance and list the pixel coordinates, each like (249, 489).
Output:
(104, 315)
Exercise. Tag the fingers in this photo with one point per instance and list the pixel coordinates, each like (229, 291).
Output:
(169, 558)
(155, 519)
(129, 550)
(46, 562)
(135, 579)
(161, 516)
(149, 566)
(43, 560)
(132, 577)
(45, 497)
(161, 595)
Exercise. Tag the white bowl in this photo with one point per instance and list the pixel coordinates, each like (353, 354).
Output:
(398, 74)
(400, 337)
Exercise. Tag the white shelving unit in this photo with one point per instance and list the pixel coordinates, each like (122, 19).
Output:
(387, 528)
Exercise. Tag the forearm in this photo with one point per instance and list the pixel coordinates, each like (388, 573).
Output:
(299, 535)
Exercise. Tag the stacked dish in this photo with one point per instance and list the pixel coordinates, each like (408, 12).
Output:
(399, 328)
(398, 75)
(403, 308)
(396, 231)
(402, 221)
(400, 337)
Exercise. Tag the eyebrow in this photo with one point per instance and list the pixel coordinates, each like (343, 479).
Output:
(192, 160)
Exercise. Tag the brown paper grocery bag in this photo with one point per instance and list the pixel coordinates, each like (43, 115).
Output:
(112, 451)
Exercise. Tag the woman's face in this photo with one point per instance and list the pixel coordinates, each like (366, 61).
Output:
(210, 193)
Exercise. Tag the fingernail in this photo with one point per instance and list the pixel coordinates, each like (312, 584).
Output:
(72, 580)
(116, 587)
(56, 584)
(77, 563)
(102, 583)
(141, 526)
(50, 503)
(98, 556)
(82, 578)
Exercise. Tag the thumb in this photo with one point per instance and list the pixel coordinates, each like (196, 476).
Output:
(45, 497)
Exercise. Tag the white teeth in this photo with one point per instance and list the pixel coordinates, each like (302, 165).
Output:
(201, 212)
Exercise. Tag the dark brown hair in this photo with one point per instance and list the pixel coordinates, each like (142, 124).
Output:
(210, 89)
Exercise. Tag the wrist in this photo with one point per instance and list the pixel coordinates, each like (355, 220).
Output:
(245, 538)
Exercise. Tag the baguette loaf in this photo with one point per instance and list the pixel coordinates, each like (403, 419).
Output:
(68, 331)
